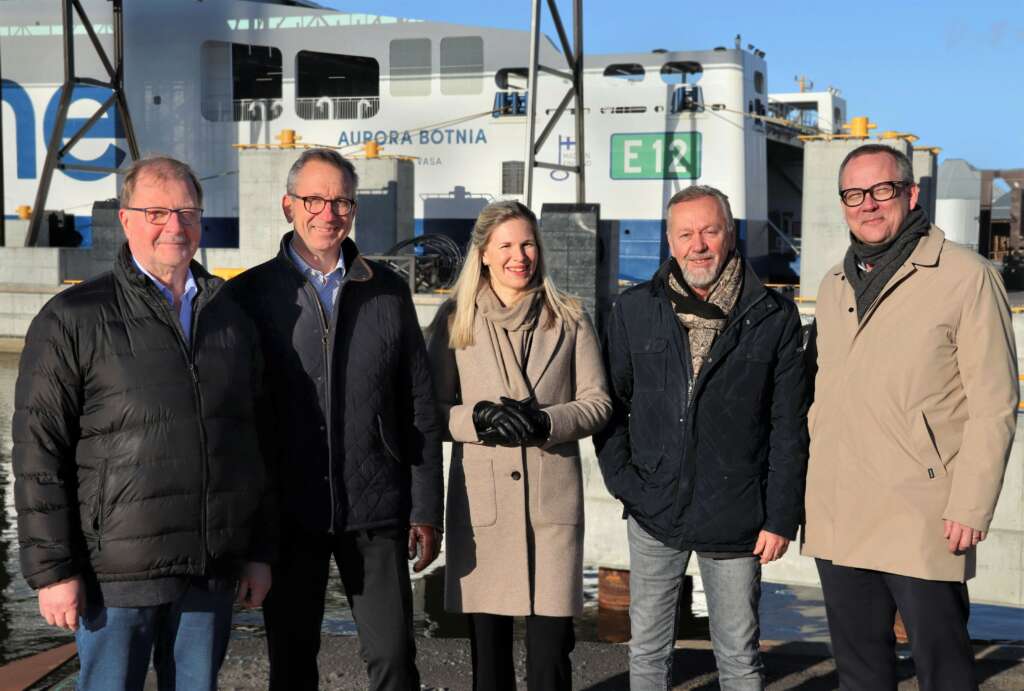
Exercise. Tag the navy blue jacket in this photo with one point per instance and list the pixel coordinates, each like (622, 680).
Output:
(356, 442)
(710, 470)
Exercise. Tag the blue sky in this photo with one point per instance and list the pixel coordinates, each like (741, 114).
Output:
(948, 71)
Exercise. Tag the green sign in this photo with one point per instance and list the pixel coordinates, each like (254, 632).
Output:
(656, 156)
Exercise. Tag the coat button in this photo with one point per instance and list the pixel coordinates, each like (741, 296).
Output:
(849, 309)
(516, 475)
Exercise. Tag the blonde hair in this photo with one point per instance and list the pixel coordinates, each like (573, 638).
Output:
(559, 304)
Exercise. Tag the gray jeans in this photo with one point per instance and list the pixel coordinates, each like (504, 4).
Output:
(733, 590)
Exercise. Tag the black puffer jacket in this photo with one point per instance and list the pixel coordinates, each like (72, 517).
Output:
(135, 456)
(710, 472)
(357, 441)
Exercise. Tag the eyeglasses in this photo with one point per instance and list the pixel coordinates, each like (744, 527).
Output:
(158, 215)
(880, 192)
(314, 205)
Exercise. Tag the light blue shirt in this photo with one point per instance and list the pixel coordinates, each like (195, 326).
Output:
(185, 313)
(327, 285)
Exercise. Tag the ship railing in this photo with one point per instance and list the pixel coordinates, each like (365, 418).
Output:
(337, 108)
(792, 242)
(256, 109)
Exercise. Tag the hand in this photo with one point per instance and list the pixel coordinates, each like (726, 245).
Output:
(253, 584)
(770, 546)
(962, 537)
(61, 603)
(496, 425)
(538, 422)
(429, 539)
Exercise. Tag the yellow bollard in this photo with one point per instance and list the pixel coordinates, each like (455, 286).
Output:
(859, 126)
(372, 149)
(287, 139)
(24, 211)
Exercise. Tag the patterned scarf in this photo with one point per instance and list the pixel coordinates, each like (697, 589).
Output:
(705, 319)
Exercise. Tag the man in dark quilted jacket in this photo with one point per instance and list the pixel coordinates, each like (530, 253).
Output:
(357, 443)
(141, 494)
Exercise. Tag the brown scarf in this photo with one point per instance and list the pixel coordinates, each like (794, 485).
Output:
(702, 328)
(510, 330)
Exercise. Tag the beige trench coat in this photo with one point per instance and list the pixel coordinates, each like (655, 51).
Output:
(504, 503)
(914, 414)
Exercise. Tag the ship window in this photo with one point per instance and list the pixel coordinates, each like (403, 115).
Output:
(759, 81)
(512, 78)
(240, 82)
(630, 72)
(410, 67)
(681, 72)
(336, 87)
(512, 177)
(462, 65)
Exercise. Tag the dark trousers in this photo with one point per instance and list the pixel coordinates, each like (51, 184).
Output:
(861, 605)
(549, 640)
(375, 574)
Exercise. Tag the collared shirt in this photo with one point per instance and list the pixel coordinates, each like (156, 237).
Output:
(185, 313)
(327, 285)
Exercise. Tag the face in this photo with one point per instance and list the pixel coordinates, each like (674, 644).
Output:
(511, 258)
(699, 240)
(321, 233)
(167, 249)
(876, 222)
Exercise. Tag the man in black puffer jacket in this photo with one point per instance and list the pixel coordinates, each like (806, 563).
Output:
(707, 446)
(141, 494)
(358, 442)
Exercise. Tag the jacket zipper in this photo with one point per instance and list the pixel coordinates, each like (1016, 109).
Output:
(325, 337)
(100, 494)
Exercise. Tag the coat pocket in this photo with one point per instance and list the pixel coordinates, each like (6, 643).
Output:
(560, 499)
(649, 364)
(926, 452)
(387, 439)
(471, 495)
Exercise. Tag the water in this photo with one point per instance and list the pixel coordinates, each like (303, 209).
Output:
(787, 612)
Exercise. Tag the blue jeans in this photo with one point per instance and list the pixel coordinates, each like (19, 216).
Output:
(187, 639)
(733, 590)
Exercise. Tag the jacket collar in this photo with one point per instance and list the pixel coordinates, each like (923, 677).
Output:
(752, 291)
(356, 267)
(926, 254)
(126, 272)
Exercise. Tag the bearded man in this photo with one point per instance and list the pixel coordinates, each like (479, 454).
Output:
(707, 445)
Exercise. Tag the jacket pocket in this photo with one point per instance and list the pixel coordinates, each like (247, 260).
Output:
(649, 364)
(389, 444)
(99, 508)
(560, 498)
(471, 494)
(926, 453)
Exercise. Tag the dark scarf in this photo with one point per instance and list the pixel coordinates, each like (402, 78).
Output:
(704, 319)
(883, 259)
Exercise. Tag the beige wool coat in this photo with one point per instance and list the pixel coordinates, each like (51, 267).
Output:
(514, 516)
(914, 414)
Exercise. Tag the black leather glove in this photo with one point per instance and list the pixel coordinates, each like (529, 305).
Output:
(496, 425)
(538, 422)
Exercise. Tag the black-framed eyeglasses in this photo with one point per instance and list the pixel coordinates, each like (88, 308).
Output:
(880, 192)
(342, 206)
(158, 215)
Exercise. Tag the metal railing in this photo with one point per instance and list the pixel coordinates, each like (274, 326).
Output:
(337, 108)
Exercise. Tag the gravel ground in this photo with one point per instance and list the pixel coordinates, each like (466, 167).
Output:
(444, 664)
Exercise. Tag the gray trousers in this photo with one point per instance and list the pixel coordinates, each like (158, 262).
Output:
(733, 590)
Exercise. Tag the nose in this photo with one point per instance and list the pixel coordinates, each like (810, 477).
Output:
(869, 203)
(328, 212)
(700, 243)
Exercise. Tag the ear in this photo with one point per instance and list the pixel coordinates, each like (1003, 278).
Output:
(915, 192)
(122, 216)
(286, 207)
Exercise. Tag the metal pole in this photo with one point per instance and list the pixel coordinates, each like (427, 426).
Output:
(32, 237)
(118, 81)
(581, 158)
(531, 96)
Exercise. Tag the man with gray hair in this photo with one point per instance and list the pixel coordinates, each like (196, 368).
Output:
(357, 441)
(142, 497)
(707, 445)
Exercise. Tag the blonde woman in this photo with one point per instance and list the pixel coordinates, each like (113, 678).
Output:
(518, 376)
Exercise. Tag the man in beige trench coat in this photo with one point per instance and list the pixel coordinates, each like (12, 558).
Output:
(911, 427)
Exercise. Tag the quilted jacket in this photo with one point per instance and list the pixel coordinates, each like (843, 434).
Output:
(357, 441)
(706, 467)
